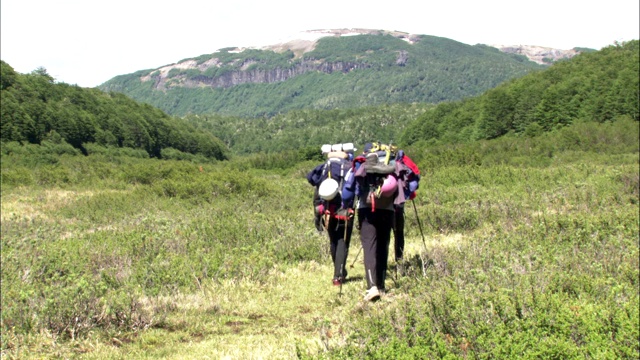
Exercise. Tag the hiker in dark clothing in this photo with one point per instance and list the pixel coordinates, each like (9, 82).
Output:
(333, 213)
(339, 231)
(375, 234)
(375, 184)
(398, 233)
(410, 175)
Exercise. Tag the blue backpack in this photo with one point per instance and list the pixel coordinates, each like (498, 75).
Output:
(328, 178)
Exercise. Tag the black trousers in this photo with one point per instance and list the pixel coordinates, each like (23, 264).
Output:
(398, 232)
(375, 234)
(339, 245)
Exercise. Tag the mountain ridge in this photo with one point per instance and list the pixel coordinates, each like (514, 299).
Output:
(305, 41)
(325, 69)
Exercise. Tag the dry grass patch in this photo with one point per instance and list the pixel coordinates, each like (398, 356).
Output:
(30, 204)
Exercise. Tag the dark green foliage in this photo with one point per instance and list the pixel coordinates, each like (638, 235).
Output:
(300, 129)
(596, 86)
(345, 72)
(34, 108)
(616, 137)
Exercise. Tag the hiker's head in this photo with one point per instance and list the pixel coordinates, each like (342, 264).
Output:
(368, 147)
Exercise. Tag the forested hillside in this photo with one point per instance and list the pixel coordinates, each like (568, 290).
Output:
(35, 109)
(598, 86)
(299, 129)
(341, 72)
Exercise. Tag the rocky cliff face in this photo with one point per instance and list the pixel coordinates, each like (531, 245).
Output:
(257, 76)
(269, 76)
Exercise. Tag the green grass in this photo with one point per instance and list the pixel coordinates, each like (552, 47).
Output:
(110, 258)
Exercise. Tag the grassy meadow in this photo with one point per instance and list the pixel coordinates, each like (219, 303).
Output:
(516, 248)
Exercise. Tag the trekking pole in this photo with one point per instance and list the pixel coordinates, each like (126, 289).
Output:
(342, 270)
(421, 233)
(340, 293)
(360, 250)
(358, 254)
(419, 224)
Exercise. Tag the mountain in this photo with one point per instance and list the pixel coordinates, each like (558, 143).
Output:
(325, 69)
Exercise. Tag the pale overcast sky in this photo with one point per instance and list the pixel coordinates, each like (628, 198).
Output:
(87, 42)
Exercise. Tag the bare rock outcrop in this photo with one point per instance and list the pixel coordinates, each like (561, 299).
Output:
(538, 54)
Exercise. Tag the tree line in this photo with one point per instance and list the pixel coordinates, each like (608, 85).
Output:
(598, 86)
(35, 109)
(300, 129)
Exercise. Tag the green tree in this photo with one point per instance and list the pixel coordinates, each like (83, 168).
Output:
(8, 76)
(15, 122)
(496, 113)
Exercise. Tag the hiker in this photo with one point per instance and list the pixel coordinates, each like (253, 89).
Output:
(410, 175)
(332, 211)
(375, 183)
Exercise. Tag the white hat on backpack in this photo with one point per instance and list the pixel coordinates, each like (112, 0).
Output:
(328, 189)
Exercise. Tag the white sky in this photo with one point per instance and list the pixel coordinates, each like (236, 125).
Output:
(87, 42)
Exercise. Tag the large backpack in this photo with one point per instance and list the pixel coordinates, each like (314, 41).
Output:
(328, 179)
(334, 172)
(375, 173)
(388, 159)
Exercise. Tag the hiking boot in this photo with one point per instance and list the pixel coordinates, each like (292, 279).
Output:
(372, 294)
(339, 280)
